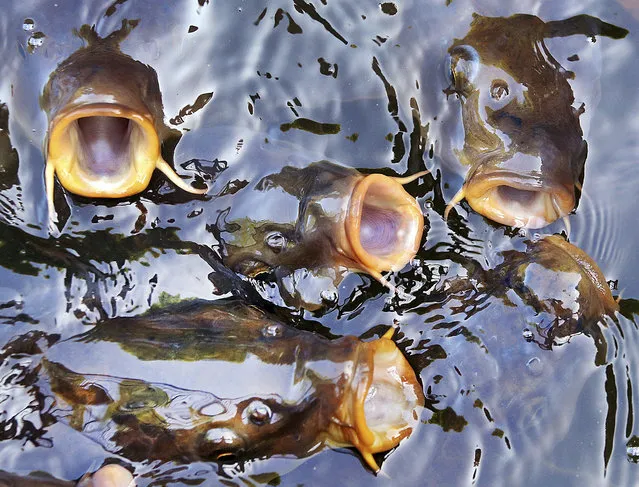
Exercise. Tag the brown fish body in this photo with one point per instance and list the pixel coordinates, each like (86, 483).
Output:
(282, 378)
(524, 145)
(326, 215)
(105, 122)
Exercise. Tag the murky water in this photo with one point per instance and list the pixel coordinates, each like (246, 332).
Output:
(514, 396)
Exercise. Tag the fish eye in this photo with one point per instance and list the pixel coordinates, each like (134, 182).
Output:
(258, 413)
(499, 89)
(462, 66)
(276, 241)
(272, 330)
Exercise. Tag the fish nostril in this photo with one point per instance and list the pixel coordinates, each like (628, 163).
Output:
(220, 444)
(272, 330)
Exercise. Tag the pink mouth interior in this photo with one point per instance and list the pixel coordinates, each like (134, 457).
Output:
(105, 142)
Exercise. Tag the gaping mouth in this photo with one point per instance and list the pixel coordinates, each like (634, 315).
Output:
(517, 201)
(382, 405)
(105, 145)
(105, 150)
(384, 224)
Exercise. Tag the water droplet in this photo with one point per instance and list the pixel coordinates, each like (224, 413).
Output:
(35, 41)
(213, 409)
(221, 436)
(272, 330)
(258, 413)
(528, 335)
(632, 449)
(28, 25)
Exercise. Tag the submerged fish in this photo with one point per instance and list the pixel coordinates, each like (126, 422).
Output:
(564, 286)
(277, 390)
(330, 216)
(105, 122)
(112, 475)
(523, 146)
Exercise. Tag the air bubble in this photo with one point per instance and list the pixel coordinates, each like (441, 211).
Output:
(534, 366)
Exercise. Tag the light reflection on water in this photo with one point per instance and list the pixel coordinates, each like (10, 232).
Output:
(500, 408)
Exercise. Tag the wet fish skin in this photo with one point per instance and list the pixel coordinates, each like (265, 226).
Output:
(337, 217)
(335, 388)
(524, 146)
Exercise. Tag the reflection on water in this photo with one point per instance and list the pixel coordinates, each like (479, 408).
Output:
(523, 375)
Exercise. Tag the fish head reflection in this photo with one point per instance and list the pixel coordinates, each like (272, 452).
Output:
(523, 143)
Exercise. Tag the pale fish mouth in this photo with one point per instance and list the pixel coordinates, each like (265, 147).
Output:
(518, 201)
(104, 150)
(384, 401)
(384, 224)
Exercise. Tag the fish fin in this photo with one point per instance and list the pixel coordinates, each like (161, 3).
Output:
(410, 179)
(390, 332)
(456, 199)
(175, 179)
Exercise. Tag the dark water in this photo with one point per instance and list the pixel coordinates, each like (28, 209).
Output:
(506, 404)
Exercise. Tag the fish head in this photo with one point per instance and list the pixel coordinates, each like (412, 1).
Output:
(381, 406)
(336, 218)
(260, 427)
(105, 121)
(523, 143)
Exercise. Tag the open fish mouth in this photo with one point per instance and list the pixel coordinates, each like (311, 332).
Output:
(105, 150)
(384, 223)
(381, 406)
(516, 200)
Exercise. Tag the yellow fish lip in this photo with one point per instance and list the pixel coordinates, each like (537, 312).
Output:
(68, 157)
(65, 153)
(519, 201)
(382, 402)
(381, 207)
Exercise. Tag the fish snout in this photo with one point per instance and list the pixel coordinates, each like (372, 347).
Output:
(520, 192)
(381, 407)
(383, 225)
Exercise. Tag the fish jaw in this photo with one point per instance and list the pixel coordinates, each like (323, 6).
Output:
(72, 153)
(383, 225)
(381, 405)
